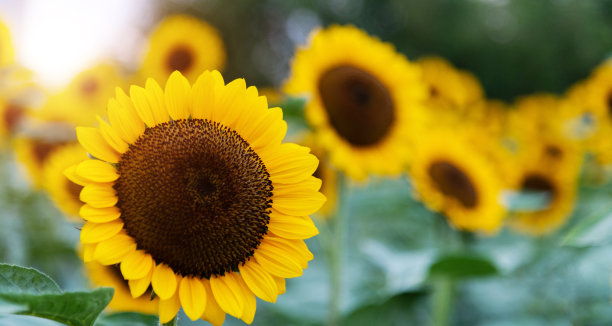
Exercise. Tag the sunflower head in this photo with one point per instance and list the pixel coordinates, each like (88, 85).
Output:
(192, 191)
(363, 99)
(183, 43)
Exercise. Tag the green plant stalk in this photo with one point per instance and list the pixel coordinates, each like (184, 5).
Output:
(173, 322)
(444, 293)
(336, 248)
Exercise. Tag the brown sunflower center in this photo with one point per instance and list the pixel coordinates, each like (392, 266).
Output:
(12, 116)
(609, 102)
(180, 58)
(538, 183)
(553, 151)
(41, 149)
(89, 86)
(194, 195)
(358, 105)
(453, 182)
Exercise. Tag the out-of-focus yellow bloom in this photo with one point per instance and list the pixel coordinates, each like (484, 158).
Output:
(448, 86)
(110, 276)
(64, 192)
(183, 43)
(7, 52)
(454, 177)
(363, 99)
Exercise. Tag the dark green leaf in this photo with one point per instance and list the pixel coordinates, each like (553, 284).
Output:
(128, 319)
(26, 291)
(462, 266)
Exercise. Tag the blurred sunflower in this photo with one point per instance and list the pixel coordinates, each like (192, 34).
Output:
(183, 43)
(363, 99)
(111, 276)
(193, 193)
(85, 97)
(550, 166)
(453, 177)
(7, 52)
(448, 86)
(64, 192)
(11, 117)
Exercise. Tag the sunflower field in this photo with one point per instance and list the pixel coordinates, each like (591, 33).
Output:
(338, 163)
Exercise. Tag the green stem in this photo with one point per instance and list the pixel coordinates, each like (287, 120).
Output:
(336, 248)
(444, 293)
(173, 322)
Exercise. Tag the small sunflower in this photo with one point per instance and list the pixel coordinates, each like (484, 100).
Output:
(549, 165)
(36, 145)
(449, 86)
(64, 192)
(192, 192)
(123, 300)
(7, 52)
(452, 177)
(183, 43)
(363, 99)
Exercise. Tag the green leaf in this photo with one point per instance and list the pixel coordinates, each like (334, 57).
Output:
(406, 308)
(32, 293)
(128, 319)
(462, 266)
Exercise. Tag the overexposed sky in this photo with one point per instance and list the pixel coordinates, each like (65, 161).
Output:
(57, 39)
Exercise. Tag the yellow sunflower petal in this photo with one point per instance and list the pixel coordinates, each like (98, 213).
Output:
(97, 171)
(250, 304)
(96, 145)
(112, 137)
(213, 312)
(299, 203)
(124, 119)
(164, 281)
(136, 265)
(296, 249)
(270, 131)
(292, 227)
(168, 308)
(193, 297)
(203, 95)
(88, 252)
(290, 165)
(157, 104)
(139, 287)
(96, 232)
(99, 215)
(228, 293)
(71, 174)
(274, 262)
(113, 250)
(228, 105)
(280, 284)
(98, 196)
(258, 280)
(177, 96)
(141, 105)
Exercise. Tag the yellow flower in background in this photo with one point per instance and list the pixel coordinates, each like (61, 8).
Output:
(64, 192)
(192, 192)
(7, 52)
(452, 176)
(363, 99)
(550, 165)
(448, 86)
(111, 276)
(327, 174)
(37, 143)
(183, 43)
(85, 97)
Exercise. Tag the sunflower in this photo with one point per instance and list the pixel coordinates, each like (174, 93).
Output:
(11, 117)
(192, 192)
(123, 300)
(37, 144)
(453, 177)
(363, 99)
(7, 52)
(552, 166)
(64, 192)
(449, 86)
(183, 43)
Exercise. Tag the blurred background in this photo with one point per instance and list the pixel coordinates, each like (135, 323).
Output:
(513, 47)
